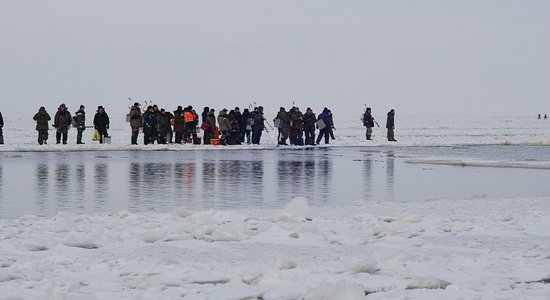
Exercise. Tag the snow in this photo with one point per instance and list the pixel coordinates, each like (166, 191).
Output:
(442, 249)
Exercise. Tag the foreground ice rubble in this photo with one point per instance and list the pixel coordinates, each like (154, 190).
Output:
(485, 249)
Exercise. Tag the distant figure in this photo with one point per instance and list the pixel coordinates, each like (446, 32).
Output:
(282, 122)
(331, 128)
(545, 116)
(246, 126)
(390, 125)
(1, 125)
(179, 125)
(101, 123)
(538, 117)
(80, 122)
(150, 123)
(309, 126)
(165, 130)
(325, 131)
(368, 121)
(62, 122)
(135, 121)
(296, 126)
(258, 124)
(42, 119)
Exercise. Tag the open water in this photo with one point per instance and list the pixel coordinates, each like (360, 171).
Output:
(45, 183)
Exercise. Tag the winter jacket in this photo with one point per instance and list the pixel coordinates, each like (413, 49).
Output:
(150, 122)
(179, 124)
(80, 119)
(296, 119)
(325, 117)
(390, 123)
(135, 117)
(309, 120)
(42, 119)
(211, 120)
(283, 115)
(368, 120)
(223, 121)
(101, 120)
(62, 120)
(168, 116)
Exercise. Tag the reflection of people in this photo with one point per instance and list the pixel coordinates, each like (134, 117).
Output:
(101, 123)
(368, 121)
(390, 125)
(1, 125)
(42, 118)
(62, 121)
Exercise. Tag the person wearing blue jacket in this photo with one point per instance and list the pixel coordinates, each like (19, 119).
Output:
(325, 130)
(150, 124)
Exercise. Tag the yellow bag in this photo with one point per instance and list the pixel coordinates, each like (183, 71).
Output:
(96, 135)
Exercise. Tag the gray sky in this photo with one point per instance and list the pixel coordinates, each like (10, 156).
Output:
(425, 57)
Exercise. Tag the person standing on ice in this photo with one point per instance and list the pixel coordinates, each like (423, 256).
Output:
(62, 122)
(42, 119)
(258, 124)
(1, 133)
(101, 123)
(368, 121)
(390, 125)
(282, 122)
(150, 124)
(80, 121)
(331, 128)
(135, 121)
(309, 126)
(325, 131)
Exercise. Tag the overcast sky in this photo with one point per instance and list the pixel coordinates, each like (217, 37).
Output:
(426, 57)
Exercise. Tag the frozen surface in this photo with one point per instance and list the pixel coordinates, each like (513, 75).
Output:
(482, 234)
(473, 249)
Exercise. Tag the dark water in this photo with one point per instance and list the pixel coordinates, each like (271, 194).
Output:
(92, 182)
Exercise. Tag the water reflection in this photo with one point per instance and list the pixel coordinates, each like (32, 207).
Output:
(368, 175)
(390, 174)
(61, 185)
(42, 173)
(101, 185)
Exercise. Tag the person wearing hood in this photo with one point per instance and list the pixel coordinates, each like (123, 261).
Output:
(325, 131)
(101, 123)
(62, 122)
(42, 119)
(80, 122)
(136, 121)
(258, 124)
(210, 126)
(368, 121)
(390, 125)
(1, 126)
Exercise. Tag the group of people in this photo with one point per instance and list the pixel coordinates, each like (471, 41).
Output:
(181, 126)
(63, 120)
(368, 122)
(545, 117)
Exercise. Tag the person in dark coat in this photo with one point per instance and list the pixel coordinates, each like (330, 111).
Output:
(390, 125)
(101, 123)
(296, 127)
(1, 126)
(211, 126)
(179, 125)
(42, 119)
(258, 124)
(150, 124)
(80, 122)
(331, 127)
(325, 131)
(309, 126)
(240, 123)
(234, 133)
(282, 122)
(62, 122)
(165, 126)
(136, 122)
(246, 128)
(368, 121)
